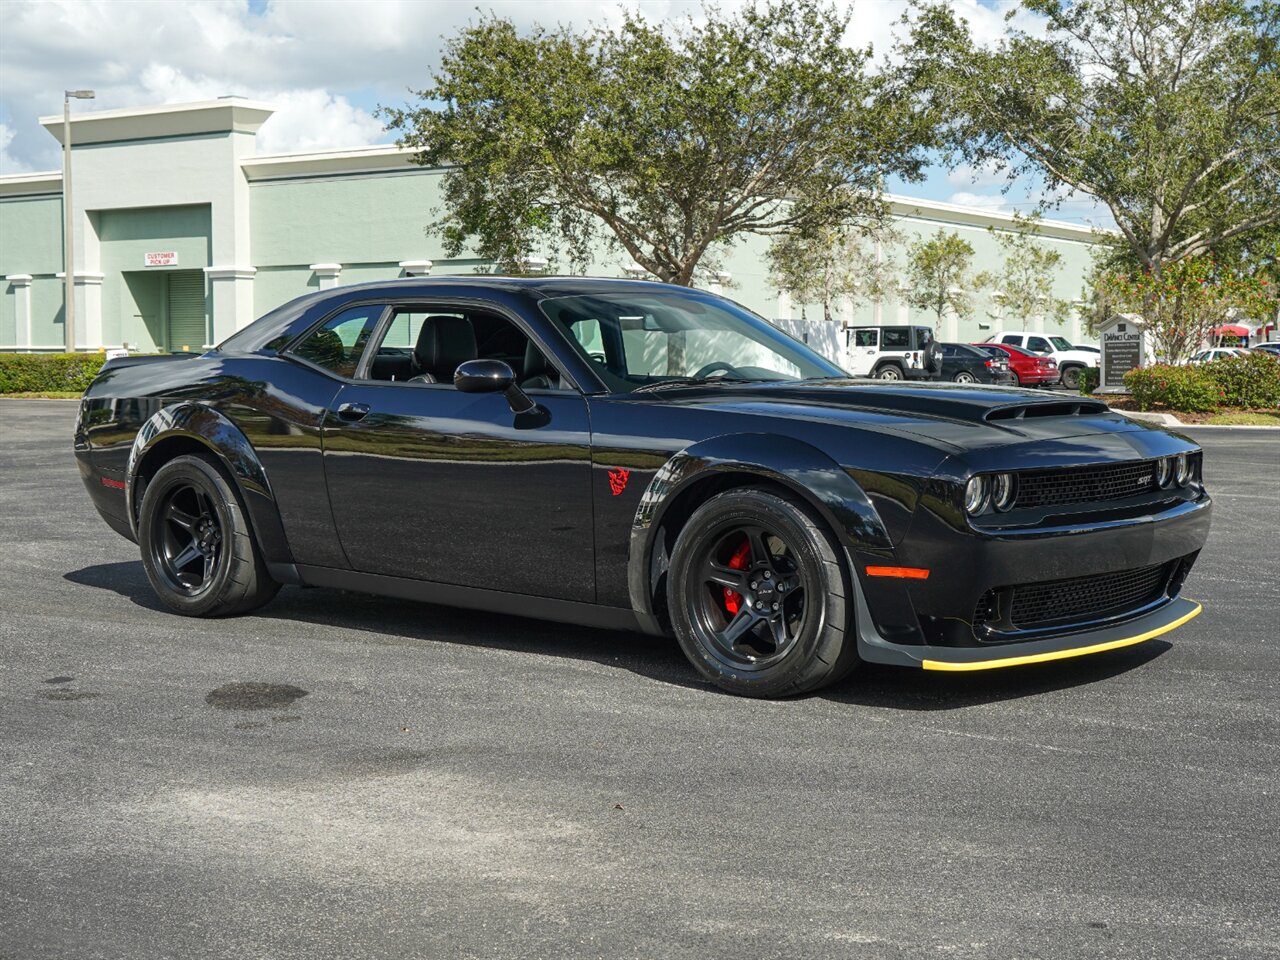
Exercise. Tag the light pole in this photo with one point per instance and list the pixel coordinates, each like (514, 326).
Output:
(69, 291)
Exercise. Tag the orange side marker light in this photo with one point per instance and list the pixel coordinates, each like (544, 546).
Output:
(904, 573)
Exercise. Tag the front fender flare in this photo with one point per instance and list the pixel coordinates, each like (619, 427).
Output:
(793, 464)
(216, 433)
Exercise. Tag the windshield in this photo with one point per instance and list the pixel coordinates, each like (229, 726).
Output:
(644, 339)
(1061, 343)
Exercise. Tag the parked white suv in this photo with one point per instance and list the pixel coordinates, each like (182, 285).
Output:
(894, 353)
(1071, 360)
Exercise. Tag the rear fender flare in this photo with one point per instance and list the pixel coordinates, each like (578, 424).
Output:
(797, 466)
(222, 438)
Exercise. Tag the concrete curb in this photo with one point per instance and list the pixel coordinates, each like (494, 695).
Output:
(1169, 420)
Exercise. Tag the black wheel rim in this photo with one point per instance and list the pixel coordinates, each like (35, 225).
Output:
(186, 540)
(748, 595)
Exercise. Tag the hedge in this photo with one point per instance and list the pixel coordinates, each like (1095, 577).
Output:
(1251, 381)
(1089, 380)
(1191, 389)
(48, 372)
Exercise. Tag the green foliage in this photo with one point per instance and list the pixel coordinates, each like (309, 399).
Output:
(1165, 112)
(1252, 382)
(938, 276)
(1179, 388)
(1089, 380)
(830, 265)
(48, 372)
(669, 141)
(1182, 303)
(1026, 277)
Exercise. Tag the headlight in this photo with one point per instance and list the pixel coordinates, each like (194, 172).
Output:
(1182, 472)
(1164, 471)
(975, 495)
(1003, 489)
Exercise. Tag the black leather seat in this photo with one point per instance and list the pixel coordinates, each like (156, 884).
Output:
(538, 373)
(443, 343)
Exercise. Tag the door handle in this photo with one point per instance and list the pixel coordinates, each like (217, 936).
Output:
(352, 411)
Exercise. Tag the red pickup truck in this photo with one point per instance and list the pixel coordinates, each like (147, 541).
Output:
(1030, 369)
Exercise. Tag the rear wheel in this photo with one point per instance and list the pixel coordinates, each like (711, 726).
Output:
(890, 371)
(964, 376)
(197, 547)
(758, 598)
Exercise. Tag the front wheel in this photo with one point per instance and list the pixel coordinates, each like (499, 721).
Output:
(1071, 378)
(197, 548)
(758, 598)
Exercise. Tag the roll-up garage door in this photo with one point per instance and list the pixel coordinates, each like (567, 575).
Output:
(188, 327)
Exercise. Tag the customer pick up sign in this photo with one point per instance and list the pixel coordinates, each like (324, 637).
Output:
(1121, 350)
(165, 258)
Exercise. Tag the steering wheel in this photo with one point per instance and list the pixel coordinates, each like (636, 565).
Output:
(715, 365)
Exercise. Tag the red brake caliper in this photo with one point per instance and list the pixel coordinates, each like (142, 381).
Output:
(733, 599)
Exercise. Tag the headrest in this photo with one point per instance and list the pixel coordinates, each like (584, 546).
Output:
(443, 343)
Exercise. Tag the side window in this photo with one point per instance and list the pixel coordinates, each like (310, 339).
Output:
(1014, 338)
(588, 334)
(1040, 345)
(865, 338)
(950, 352)
(338, 344)
(897, 338)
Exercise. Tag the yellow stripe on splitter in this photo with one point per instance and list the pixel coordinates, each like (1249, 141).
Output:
(1059, 654)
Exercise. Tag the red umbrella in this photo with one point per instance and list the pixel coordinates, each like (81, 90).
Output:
(1229, 330)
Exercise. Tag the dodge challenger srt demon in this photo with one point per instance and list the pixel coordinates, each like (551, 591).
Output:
(639, 456)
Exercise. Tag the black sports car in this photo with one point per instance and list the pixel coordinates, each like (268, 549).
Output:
(962, 363)
(635, 455)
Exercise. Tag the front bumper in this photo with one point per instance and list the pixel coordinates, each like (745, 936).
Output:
(942, 619)
(1168, 617)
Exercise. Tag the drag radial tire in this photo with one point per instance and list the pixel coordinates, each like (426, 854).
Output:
(758, 597)
(197, 548)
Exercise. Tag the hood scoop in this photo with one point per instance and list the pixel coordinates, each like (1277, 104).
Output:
(1058, 408)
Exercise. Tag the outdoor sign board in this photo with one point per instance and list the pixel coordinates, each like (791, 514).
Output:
(1122, 350)
(167, 258)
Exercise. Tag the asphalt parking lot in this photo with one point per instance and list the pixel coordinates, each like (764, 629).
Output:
(422, 782)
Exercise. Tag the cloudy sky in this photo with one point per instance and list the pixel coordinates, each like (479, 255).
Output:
(326, 65)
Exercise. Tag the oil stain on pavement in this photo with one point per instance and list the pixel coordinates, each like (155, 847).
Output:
(253, 696)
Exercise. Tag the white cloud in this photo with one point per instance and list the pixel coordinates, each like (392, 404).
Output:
(983, 201)
(9, 164)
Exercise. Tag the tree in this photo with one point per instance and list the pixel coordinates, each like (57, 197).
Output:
(1024, 283)
(843, 263)
(1166, 112)
(666, 141)
(938, 276)
(1181, 305)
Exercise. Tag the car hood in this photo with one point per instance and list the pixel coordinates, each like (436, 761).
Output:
(955, 416)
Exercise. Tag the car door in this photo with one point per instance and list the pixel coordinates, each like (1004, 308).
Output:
(866, 344)
(1039, 345)
(430, 483)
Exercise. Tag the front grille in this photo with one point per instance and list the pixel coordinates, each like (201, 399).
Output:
(1080, 599)
(1045, 488)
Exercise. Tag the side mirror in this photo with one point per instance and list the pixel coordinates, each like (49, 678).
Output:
(492, 376)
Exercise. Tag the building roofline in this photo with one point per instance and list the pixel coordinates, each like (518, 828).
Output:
(224, 115)
(20, 184)
(955, 213)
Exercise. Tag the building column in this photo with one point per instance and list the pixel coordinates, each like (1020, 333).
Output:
(784, 305)
(416, 268)
(88, 294)
(326, 274)
(231, 294)
(21, 283)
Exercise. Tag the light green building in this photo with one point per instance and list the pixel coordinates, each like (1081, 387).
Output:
(183, 234)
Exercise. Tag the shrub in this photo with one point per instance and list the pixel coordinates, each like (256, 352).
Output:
(48, 372)
(1180, 388)
(1089, 380)
(1252, 381)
